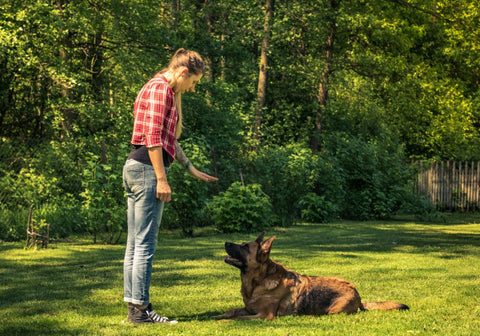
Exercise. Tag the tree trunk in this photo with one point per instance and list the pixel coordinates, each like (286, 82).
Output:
(263, 73)
(322, 95)
(6, 92)
(222, 57)
(65, 60)
(95, 65)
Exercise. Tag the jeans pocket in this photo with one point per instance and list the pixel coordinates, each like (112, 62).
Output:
(134, 176)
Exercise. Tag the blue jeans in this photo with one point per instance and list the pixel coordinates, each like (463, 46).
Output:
(144, 217)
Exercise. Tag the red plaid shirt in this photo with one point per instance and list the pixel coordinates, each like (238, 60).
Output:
(155, 116)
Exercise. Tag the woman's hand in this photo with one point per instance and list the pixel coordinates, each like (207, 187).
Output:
(200, 175)
(164, 193)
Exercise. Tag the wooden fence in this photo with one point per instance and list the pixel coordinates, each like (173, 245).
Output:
(450, 185)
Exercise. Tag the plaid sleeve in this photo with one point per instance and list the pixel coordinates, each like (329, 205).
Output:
(156, 115)
(152, 108)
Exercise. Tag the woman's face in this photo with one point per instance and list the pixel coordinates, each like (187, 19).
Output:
(186, 82)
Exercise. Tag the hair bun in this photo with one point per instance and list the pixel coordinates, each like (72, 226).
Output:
(187, 58)
(180, 51)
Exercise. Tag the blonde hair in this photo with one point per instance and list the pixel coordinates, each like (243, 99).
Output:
(194, 63)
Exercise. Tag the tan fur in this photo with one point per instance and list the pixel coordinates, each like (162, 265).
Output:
(270, 289)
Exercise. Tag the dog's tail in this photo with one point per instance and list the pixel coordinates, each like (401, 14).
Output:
(387, 305)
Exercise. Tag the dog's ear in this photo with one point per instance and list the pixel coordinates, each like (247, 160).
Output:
(265, 247)
(260, 238)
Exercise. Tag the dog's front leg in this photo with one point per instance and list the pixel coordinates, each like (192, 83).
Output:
(232, 314)
(262, 315)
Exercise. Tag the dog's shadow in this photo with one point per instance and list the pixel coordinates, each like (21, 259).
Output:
(206, 316)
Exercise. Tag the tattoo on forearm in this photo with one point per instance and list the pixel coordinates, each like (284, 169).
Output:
(180, 156)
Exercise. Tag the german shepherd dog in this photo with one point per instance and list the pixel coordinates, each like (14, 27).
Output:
(270, 289)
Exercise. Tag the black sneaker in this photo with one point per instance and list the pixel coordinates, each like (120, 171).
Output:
(131, 312)
(146, 315)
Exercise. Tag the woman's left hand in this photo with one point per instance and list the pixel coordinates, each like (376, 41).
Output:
(200, 175)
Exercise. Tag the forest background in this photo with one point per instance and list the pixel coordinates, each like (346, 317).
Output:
(308, 110)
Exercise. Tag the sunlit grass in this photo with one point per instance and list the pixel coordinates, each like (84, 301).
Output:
(76, 288)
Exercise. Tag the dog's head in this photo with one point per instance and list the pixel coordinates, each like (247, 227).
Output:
(249, 255)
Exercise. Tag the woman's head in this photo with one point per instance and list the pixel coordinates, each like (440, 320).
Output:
(189, 59)
(183, 73)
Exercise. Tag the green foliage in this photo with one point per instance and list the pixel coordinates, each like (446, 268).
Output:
(220, 121)
(376, 176)
(13, 223)
(241, 209)
(422, 209)
(404, 73)
(49, 179)
(352, 178)
(64, 218)
(30, 186)
(103, 199)
(287, 173)
(45, 179)
(188, 194)
(317, 209)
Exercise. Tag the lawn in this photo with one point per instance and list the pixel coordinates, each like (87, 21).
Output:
(75, 288)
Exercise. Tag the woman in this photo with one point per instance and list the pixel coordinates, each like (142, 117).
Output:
(157, 126)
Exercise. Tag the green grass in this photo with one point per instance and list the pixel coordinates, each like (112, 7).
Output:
(76, 288)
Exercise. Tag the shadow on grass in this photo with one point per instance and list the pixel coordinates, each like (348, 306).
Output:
(206, 316)
(350, 237)
(47, 328)
(47, 279)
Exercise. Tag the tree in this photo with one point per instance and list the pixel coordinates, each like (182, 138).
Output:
(263, 71)
(325, 75)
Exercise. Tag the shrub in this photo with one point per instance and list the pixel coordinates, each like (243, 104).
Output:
(50, 179)
(316, 208)
(422, 209)
(377, 177)
(13, 223)
(288, 173)
(241, 209)
(65, 218)
(30, 186)
(103, 201)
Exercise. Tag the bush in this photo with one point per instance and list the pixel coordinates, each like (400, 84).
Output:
(50, 179)
(103, 197)
(288, 173)
(64, 218)
(30, 186)
(13, 223)
(376, 174)
(315, 208)
(422, 209)
(241, 209)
